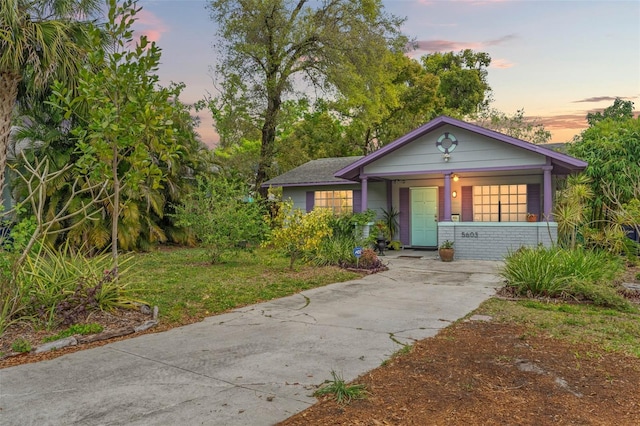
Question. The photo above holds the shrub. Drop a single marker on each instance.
(300, 234)
(335, 250)
(555, 272)
(64, 285)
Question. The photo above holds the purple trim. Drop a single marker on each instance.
(403, 219)
(533, 199)
(351, 171)
(446, 198)
(547, 194)
(441, 212)
(311, 199)
(466, 200)
(476, 169)
(365, 192)
(357, 201)
(286, 185)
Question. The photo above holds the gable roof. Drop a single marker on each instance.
(563, 161)
(315, 172)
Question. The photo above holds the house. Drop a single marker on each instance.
(450, 180)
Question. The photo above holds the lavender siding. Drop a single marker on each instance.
(404, 216)
(466, 198)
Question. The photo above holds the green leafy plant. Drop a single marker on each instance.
(446, 244)
(390, 218)
(21, 345)
(82, 329)
(555, 272)
(221, 216)
(342, 392)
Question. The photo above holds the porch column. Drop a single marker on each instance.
(447, 197)
(364, 193)
(548, 196)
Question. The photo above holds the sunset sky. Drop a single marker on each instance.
(558, 60)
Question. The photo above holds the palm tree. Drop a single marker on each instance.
(40, 40)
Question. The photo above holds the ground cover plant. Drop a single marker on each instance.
(577, 274)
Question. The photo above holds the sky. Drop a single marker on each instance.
(557, 59)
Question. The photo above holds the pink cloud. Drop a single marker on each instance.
(501, 63)
(150, 25)
(424, 46)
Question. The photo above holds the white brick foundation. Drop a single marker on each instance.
(493, 240)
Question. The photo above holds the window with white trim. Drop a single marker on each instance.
(500, 203)
(338, 201)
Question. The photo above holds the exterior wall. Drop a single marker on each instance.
(377, 196)
(473, 152)
(493, 240)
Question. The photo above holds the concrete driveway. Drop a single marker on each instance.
(253, 366)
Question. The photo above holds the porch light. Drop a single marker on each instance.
(454, 194)
(456, 178)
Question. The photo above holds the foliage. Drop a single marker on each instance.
(64, 285)
(516, 125)
(611, 147)
(336, 249)
(369, 260)
(342, 392)
(221, 215)
(619, 111)
(39, 41)
(135, 136)
(390, 218)
(185, 289)
(463, 86)
(301, 233)
(268, 49)
(556, 272)
(446, 244)
(82, 329)
(570, 211)
(21, 345)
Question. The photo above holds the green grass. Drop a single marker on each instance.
(83, 329)
(342, 392)
(610, 329)
(185, 287)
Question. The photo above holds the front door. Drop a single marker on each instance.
(424, 217)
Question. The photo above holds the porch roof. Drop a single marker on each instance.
(563, 163)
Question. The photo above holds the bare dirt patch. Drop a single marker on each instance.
(488, 373)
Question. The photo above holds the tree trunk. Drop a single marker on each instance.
(116, 209)
(268, 142)
(8, 94)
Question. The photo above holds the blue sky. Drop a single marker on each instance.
(558, 59)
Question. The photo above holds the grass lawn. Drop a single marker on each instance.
(610, 329)
(187, 288)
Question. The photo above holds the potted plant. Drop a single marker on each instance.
(532, 217)
(446, 251)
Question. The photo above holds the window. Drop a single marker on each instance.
(500, 203)
(338, 201)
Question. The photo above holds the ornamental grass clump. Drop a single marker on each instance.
(578, 274)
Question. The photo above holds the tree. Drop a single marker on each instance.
(268, 48)
(39, 40)
(516, 125)
(463, 80)
(619, 111)
(129, 129)
(612, 148)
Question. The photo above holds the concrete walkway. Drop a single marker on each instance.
(253, 366)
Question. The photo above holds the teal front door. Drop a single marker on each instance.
(424, 217)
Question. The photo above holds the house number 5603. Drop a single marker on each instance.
(469, 235)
